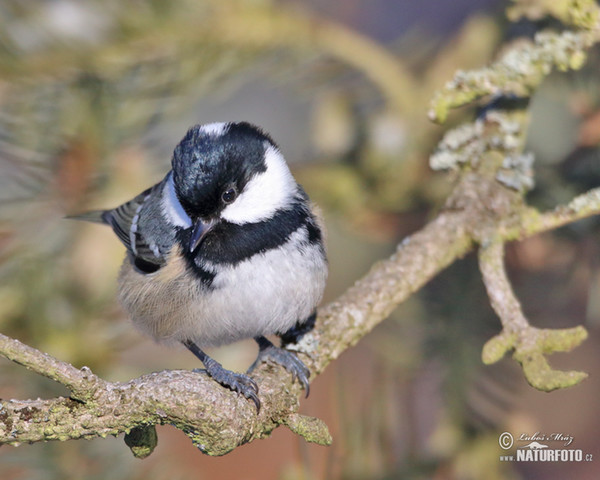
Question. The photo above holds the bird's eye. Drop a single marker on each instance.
(229, 195)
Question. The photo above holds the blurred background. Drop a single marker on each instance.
(94, 95)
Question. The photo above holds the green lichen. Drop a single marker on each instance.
(583, 13)
(312, 429)
(496, 347)
(517, 73)
(459, 146)
(541, 376)
(517, 172)
(499, 131)
(586, 203)
(530, 346)
(579, 13)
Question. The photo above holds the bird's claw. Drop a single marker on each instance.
(287, 360)
(238, 382)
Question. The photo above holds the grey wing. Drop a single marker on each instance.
(141, 226)
(124, 221)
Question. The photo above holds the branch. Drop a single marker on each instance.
(493, 146)
(532, 221)
(530, 344)
(524, 66)
(517, 73)
(82, 383)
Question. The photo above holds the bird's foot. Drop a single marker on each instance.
(285, 358)
(238, 382)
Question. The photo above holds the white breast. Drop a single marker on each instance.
(266, 294)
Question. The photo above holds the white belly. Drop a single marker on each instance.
(266, 294)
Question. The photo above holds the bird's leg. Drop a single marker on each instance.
(285, 358)
(294, 334)
(238, 382)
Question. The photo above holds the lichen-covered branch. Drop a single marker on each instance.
(532, 221)
(502, 298)
(530, 344)
(579, 13)
(489, 151)
(525, 65)
(82, 383)
(499, 134)
(517, 73)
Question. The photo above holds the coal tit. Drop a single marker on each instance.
(225, 247)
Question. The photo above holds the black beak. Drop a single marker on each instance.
(199, 230)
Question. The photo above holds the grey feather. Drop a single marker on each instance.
(95, 216)
(123, 219)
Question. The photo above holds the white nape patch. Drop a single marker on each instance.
(216, 129)
(171, 206)
(265, 193)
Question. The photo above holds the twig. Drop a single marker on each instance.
(502, 298)
(530, 344)
(517, 73)
(531, 221)
(82, 383)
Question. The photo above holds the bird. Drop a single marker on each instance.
(226, 247)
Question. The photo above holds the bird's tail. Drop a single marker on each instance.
(96, 216)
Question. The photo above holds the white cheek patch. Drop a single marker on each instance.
(265, 193)
(171, 206)
(215, 129)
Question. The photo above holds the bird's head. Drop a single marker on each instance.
(230, 172)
